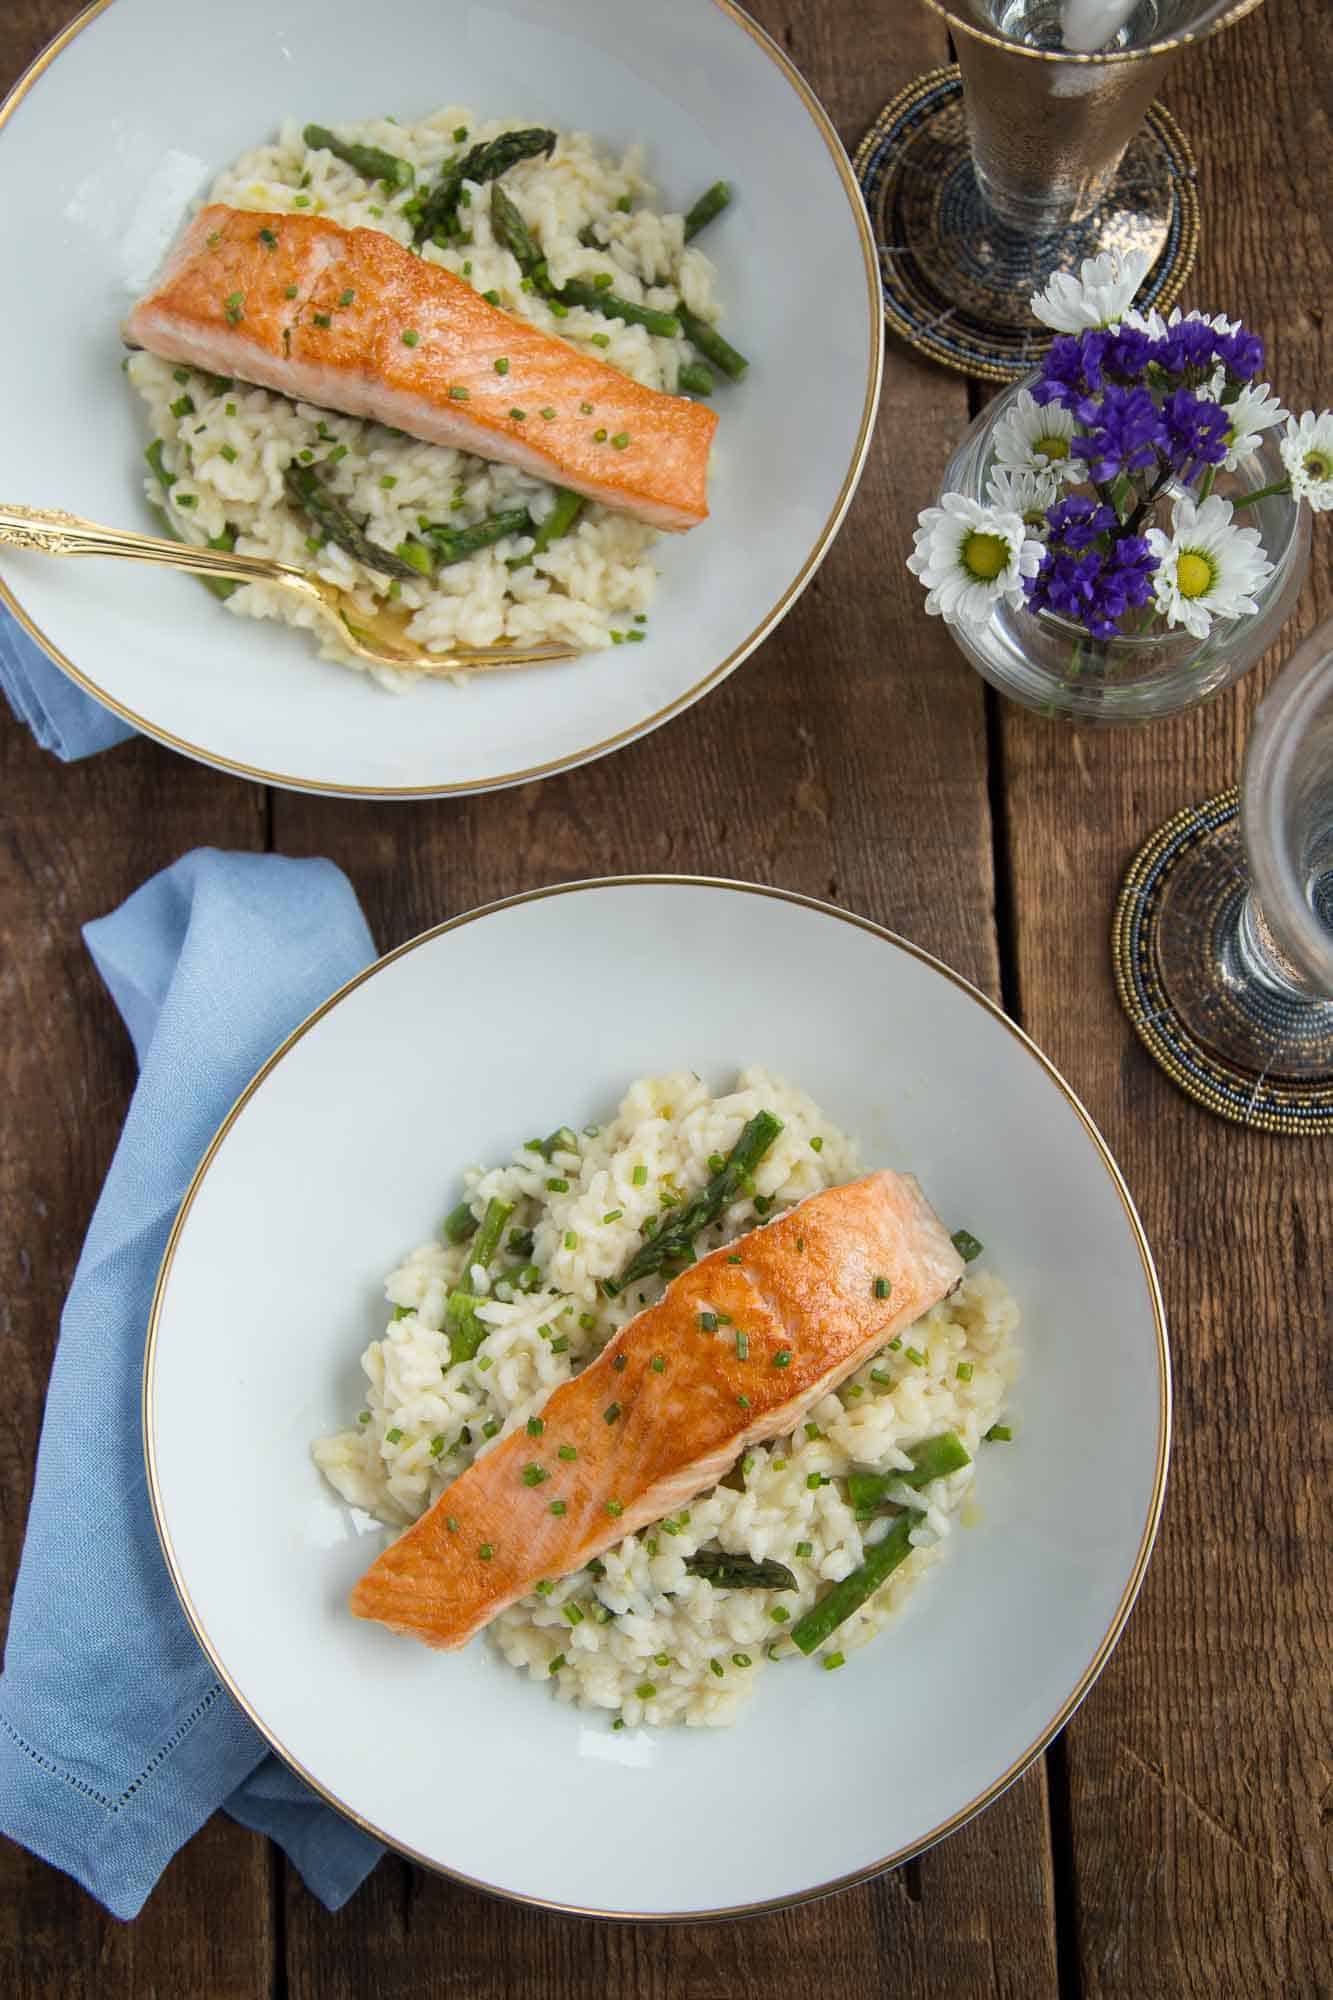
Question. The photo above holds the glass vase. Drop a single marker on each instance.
(1055, 668)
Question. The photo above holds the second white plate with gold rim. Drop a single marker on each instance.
(341, 1154)
(96, 180)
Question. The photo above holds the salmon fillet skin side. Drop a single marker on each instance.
(737, 1349)
(349, 320)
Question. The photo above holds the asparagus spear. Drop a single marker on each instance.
(368, 161)
(437, 214)
(933, 1458)
(711, 344)
(487, 1240)
(221, 586)
(966, 1244)
(308, 492)
(730, 1572)
(466, 1332)
(456, 543)
(710, 203)
(696, 378)
(599, 299)
(558, 522)
(460, 1223)
(821, 1619)
(676, 1240)
(512, 232)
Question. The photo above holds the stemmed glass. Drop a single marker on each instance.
(1055, 153)
(1224, 935)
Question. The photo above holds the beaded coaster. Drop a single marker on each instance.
(957, 282)
(1174, 922)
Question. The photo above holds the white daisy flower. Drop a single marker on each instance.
(1206, 567)
(1025, 493)
(1099, 296)
(1031, 437)
(971, 557)
(1307, 453)
(1253, 411)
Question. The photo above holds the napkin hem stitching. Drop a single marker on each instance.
(86, 1791)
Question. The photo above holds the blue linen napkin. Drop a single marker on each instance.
(116, 1739)
(57, 711)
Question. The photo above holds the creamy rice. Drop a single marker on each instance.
(647, 1623)
(227, 452)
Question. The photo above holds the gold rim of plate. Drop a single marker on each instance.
(327, 788)
(1138, 1569)
(1175, 275)
(1291, 1109)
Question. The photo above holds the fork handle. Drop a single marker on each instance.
(52, 532)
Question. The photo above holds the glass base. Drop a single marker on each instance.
(1185, 975)
(958, 282)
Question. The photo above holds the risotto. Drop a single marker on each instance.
(636, 1633)
(223, 447)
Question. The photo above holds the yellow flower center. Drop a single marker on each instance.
(984, 556)
(1195, 574)
(1317, 465)
(1052, 447)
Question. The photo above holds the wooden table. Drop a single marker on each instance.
(1174, 1839)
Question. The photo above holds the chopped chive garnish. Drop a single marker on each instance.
(881, 1375)
(658, 1364)
(558, 1662)
(603, 281)
(491, 298)
(998, 1434)
(613, 1215)
(614, 1508)
(235, 307)
(183, 406)
(599, 437)
(558, 1507)
(779, 1614)
(451, 1523)
(832, 1660)
(620, 440)
(460, 134)
(645, 1690)
(814, 1480)
(708, 1322)
(460, 395)
(545, 1587)
(624, 204)
(762, 1202)
(611, 1412)
(853, 1392)
(321, 319)
(519, 416)
(587, 1321)
(559, 1346)
(966, 1244)
(290, 292)
(600, 339)
(619, 1722)
(733, 1260)
(410, 336)
(782, 1359)
(805, 1549)
(571, 1241)
(915, 1355)
(557, 1186)
(548, 413)
(741, 1660)
(502, 365)
(621, 1363)
(572, 1611)
(639, 1176)
(568, 1452)
(816, 1145)
(394, 1436)
(345, 298)
(484, 1363)
(213, 238)
(533, 1475)
(742, 1344)
(485, 1552)
(716, 1667)
(187, 499)
(436, 1446)
(882, 1288)
(895, 1343)
(813, 1431)
(490, 1428)
(744, 1402)
(300, 201)
(964, 1371)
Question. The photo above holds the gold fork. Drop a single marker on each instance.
(380, 636)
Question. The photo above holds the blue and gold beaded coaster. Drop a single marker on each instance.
(1173, 948)
(957, 282)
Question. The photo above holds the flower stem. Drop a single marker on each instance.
(1206, 483)
(1261, 493)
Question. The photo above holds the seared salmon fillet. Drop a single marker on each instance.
(737, 1349)
(350, 320)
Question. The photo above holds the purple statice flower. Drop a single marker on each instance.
(1197, 432)
(1077, 521)
(1127, 357)
(1094, 589)
(1241, 354)
(1125, 432)
(1187, 348)
(1071, 370)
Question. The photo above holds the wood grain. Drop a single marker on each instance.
(1199, 1794)
(848, 759)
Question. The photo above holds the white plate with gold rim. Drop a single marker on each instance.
(340, 1155)
(96, 178)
